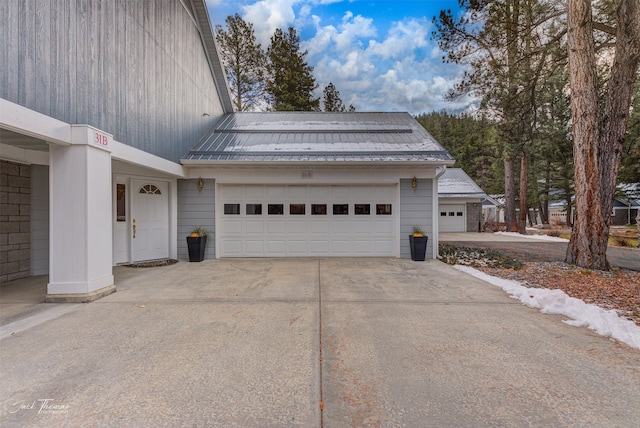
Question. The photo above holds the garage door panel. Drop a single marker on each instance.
(276, 226)
(319, 247)
(362, 247)
(231, 226)
(342, 248)
(297, 247)
(253, 247)
(252, 192)
(231, 248)
(319, 226)
(383, 227)
(254, 227)
(305, 233)
(297, 227)
(382, 246)
(277, 247)
(341, 226)
(298, 193)
(276, 192)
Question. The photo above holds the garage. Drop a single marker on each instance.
(313, 184)
(452, 218)
(307, 220)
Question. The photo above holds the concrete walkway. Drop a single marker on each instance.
(311, 343)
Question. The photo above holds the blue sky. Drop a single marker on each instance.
(378, 54)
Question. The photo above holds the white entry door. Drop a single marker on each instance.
(301, 220)
(149, 220)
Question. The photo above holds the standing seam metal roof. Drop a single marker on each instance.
(317, 136)
(455, 183)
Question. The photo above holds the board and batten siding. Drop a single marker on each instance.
(196, 208)
(416, 209)
(135, 69)
(39, 219)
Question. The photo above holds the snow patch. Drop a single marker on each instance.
(605, 322)
(539, 237)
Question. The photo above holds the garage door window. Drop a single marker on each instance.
(362, 209)
(383, 209)
(276, 209)
(318, 209)
(340, 209)
(232, 209)
(297, 209)
(254, 209)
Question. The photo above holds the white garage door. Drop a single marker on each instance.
(452, 218)
(283, 220)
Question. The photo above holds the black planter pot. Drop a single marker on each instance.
(196, 248)
(418, 246)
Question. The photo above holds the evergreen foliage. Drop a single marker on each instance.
(290, 83)
(331, 98)
(244, 62)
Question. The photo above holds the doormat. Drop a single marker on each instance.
(152, 263)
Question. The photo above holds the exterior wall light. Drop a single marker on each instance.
(414, 183)
(200, 184)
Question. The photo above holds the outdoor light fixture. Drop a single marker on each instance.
(414, 183)
(200, 184)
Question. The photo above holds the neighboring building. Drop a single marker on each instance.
(460, 202)
(117, 137)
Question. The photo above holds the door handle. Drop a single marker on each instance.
(134, 228)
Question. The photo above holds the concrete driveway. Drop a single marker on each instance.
(311, 343)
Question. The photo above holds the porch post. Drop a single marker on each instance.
(81, 238)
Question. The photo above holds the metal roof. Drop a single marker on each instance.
(455, 183)
(318, 137)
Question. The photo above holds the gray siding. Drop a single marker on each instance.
(416, 208)
(196, 208)
(39, 220)
(135, 69)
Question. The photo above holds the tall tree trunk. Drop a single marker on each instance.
(509, 196)
(598, 143)
(588, 244)
(524, 206)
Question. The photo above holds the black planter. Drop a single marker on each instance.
(196, 248)
(418, 246)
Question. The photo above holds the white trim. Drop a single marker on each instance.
(128, 154)
(16, 154)
(25, 121)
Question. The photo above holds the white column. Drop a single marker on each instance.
(81, 238)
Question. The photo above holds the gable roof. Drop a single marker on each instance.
(295, 137)
(455, 183)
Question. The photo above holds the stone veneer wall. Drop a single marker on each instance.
(15, 211)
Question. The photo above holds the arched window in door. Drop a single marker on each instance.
(150, 189)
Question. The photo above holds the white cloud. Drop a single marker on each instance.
(400, 70)
(269, 15)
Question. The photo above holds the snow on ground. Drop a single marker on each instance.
(540, 237)
(604, 322)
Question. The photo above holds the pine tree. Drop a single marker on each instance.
(598, 128)
(290, 82)
(332, 100)
(244, 62)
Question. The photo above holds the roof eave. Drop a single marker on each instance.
(306, 163)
